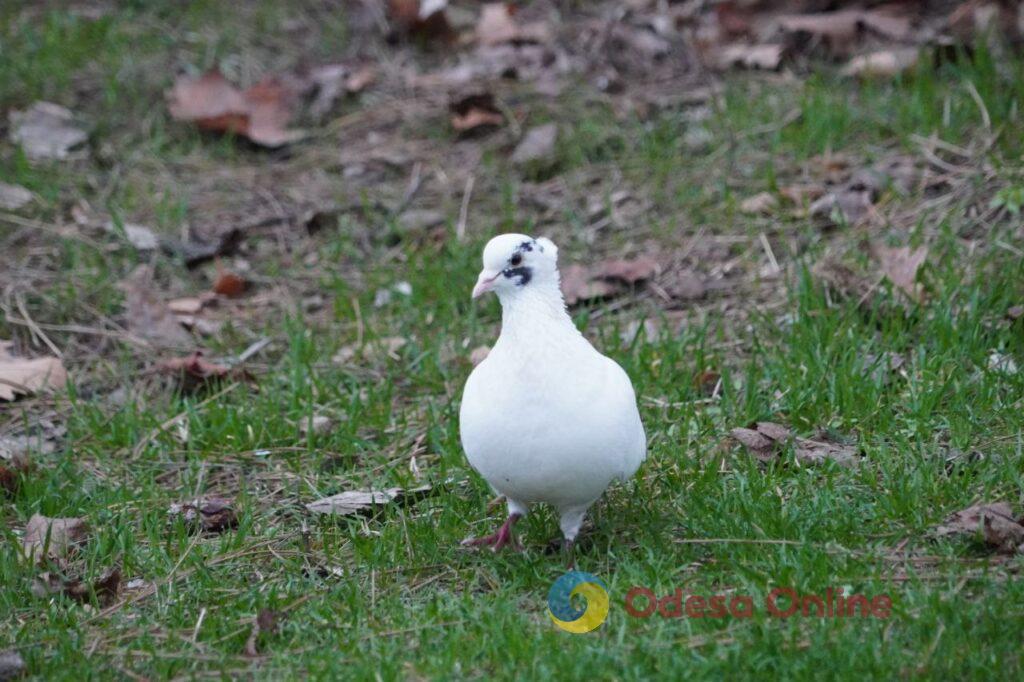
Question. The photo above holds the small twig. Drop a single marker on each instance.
(35, 328)
(976, 96)
(460, 227)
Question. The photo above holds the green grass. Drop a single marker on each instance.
(393, 596)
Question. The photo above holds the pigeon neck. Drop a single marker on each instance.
(533, 308)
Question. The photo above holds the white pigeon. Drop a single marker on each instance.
(545, 418)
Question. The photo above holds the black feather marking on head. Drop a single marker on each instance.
(524, 274)
(525, 246)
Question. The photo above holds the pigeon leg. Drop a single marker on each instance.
(499, 539)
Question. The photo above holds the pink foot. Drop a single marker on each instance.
(497, 540)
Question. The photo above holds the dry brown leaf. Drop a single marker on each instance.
(761, 203)
(421, 19)
(317, 424)
(497, 25)
(212, 514)
(767, 440)
(994, 521)
(841, 30)
(479, 354)
(765, 57)
(264, 623)
(25, 376)
(474, 112)
(105, 587)
(13, 197)
(900, 265)
(628, 270)
(365, 501)
(578, 285)
(1015, 312)
(46, 131)
(843, 205)
(147, 315)
(191, 305)
(261, 113)
(139, 236)
(194, 371)
(52, 537)
(12, 665)
(537, 145)
(883, 63)
(706, 382)
(229, 284)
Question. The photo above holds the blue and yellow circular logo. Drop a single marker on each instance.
(571, 619)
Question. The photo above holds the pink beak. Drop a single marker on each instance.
(484, 283)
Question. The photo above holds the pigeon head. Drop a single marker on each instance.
(514, 262)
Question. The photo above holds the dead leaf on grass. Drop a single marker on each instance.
(900, 265)
(192, 305)
(883, 63)
(52, 537)
(475, 113)
(13, 197)
(194, 371)
(607, 278)
(766, 57)
(264, 623)
(105, 587)
(766, 441)
(212, 514)
(147, 315)
(317, 424)
(261, 114)
(840, 31)
(229, 284)
(762, 203)
(844, 204)
(25, 376)
(994, 521)
(46, 131)
(365, 501)
(497, 25)
(421, 20)
(12, 665)
(139, 236)
(384, 347)
(537, 145)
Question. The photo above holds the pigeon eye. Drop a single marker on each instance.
(516, 259)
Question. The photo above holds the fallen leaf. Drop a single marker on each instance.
(365, 501)
(191, 305)
(264, 623)
(839, 31)
(147, 315)
(767, 440)
(52, 537)
(1015, 312)
(387, 346)
(801, 194)
(900, 265)
(578, 285)
(627, 270)
(13, 197)
(12, 665)
(497, 25)
(194, 371)
(761, 203)
(994, 521)
(317, 424)
(475, 113)
(883, 63)
(537, 145)
(421, 19)
(765, 57)
(139, 236)
(46, 131)
(479, 354)
(212, 514)
(707, 382)
(331, 81)
(1001, 363)
(261, 114)
(25, 376)
(843, 205)
(105, 587)
(817, 451)
(229, 284)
